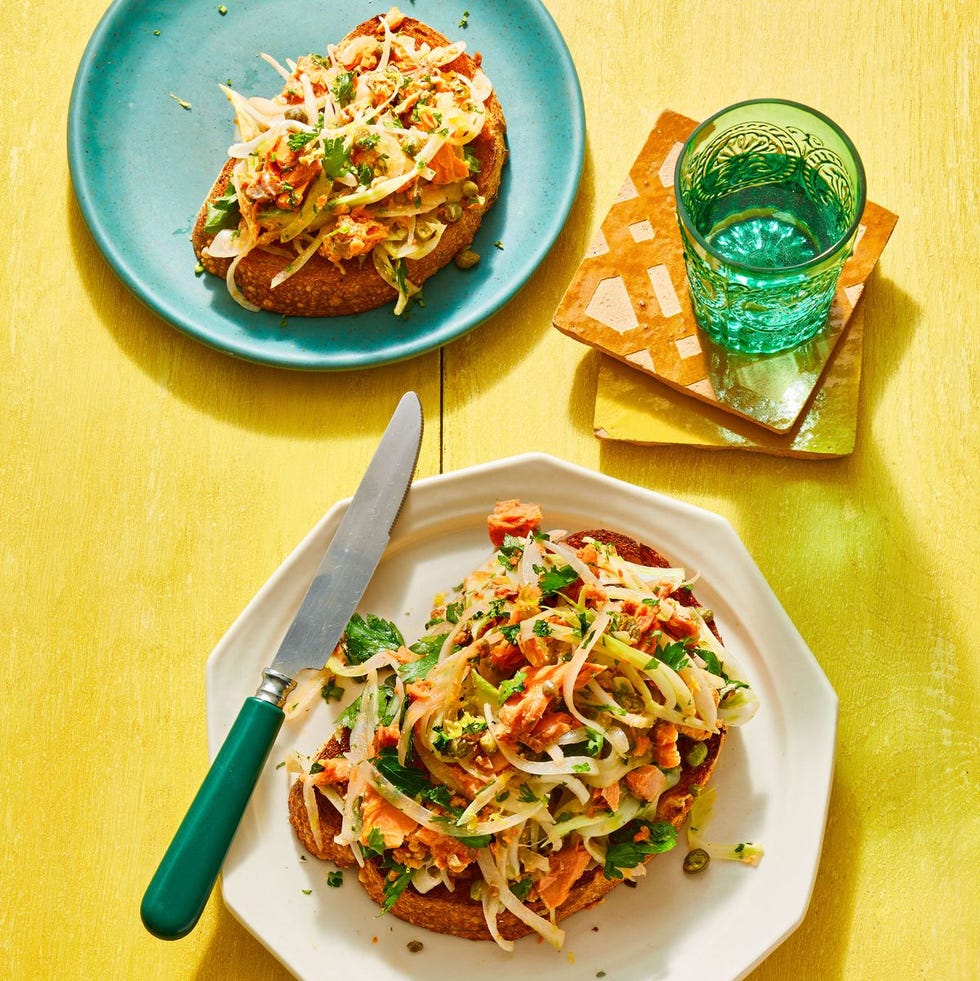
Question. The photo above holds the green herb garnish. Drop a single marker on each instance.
(367, 636)
(624, 852)
(223, 212)
(511, 686)
(555, 579)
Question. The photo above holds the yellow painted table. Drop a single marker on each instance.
(149, 486)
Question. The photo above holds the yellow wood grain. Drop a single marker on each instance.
(149, 486)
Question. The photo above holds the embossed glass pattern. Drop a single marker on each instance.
(769, 197)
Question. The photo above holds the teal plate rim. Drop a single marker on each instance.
(141, 163)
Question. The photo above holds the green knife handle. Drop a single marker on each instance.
(179, 890)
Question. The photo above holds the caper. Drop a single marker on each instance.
(470, 189)
(696, 860)
(467, 259)
(414, 946)
(452, 211)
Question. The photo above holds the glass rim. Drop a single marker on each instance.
(685, 217)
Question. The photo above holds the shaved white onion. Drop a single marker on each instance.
(626, 718)
(356, 785)
(227, 244)
(531, 557)
(493, 878)
(491, 910)
(245, 149)
(579, 658)
(363, 729)
(309, 685)
(572, 559)
(383, 659)
(501, 822)
(568, 765)
(232, 286)
(480, 86)
(312, 809)
(483, 798)
(294, 265)
(275, 64)
(697, 682)
(425, 880)
(438, 57)
(309, 99)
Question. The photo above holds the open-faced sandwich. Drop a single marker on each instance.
(369, 171)
(542, 741)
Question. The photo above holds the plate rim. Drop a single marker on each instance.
(800, 887)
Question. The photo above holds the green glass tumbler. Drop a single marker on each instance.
(769, 197)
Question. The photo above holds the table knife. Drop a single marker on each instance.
(179, 890)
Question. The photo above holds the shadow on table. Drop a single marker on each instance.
(279, 401)
(234, 953)
(848, 524)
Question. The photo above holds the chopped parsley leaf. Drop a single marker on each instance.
(398, 877)
(511, 686)
(626, 853)
(674, 655)
(367, 636)
(510, 632)
(223, 212)
(526, 795)
(555, 579)
(331, 691)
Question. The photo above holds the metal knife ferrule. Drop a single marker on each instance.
(275, 687)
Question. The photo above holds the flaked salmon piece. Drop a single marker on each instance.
(645, 783)
(592, 597)
(468, 784)
(513, 518)
(534, 649)
(549, 730)
(590, 556)
(610, 795)
(523, 710)
(505, 658)
(419, 690)
(677, 620)
(641, 744)
(566, 868)
(665, 745)
(425, 846)
(404, 656)
(604, 799)
(333, 770)
(377, 813)
(449, 166)
(386, 736)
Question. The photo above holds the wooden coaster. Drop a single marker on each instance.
(629, 299)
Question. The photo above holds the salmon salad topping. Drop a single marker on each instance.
(363, 155)
(531, 736)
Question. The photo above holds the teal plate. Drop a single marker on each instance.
(141, 163)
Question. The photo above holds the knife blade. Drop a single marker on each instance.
(179, 890)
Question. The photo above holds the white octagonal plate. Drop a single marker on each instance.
(773, 778)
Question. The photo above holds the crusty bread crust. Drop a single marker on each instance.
(321, 288)
(454, 913)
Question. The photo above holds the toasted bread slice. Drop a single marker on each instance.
(328, 288)
(454, 912)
